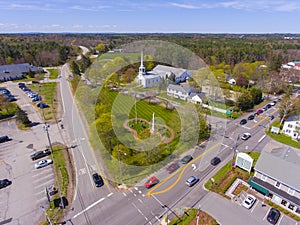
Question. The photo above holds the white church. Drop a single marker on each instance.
(153, 78)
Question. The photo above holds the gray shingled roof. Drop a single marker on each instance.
(294, 117)
(177, 88)
(282, 164)
(162, 70)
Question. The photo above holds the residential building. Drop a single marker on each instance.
(276, 176)
(178, 91)
(291, 126)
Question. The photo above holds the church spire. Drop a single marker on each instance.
(142, 69)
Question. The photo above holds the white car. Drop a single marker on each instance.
(245, 136)
(249, 201)
(43, 163)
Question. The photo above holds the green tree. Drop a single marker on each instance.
(22, 117)
(256, 94)
(242, 80)
(74, 68)
(245, 102)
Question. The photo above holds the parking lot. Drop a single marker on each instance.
(222, 209)
(22, 202)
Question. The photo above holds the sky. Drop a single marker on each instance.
(150, 16)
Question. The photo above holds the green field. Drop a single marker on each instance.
(49, 96)
(53, 73)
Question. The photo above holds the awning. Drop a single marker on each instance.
(258, 187)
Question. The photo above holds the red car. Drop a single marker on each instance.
(151, 182)
(260, 111)
(173, 167)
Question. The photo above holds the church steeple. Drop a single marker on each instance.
(142, 69)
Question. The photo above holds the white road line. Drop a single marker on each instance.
(45, 177)
(110, 194)
(140, 201)
(143, 195)
(124, 194)
(130, 190)
(136, 188)
(140, 191)
(261, 138)
(89, 207)
(140, 211)
(134, 194)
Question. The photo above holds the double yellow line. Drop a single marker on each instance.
(181, 171)
(263, 118)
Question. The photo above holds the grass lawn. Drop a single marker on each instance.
(53, 73)
(224, 178)
(7, 109)
(49, 96)
(61, 181)
(191, 219)
(281, 137)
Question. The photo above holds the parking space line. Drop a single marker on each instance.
(44, 177)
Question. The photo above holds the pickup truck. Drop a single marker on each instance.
(40, 154)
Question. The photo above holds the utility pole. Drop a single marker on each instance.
(235, 149)
(119, 159)
(165, 206)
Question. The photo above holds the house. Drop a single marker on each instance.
(276, 176)
(17, 71)
(178, 91)
(149, 79)
(232, 81)
(196, 98)
(291, 126)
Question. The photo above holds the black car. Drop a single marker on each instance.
(268, 106)
(98, 180)
(273, 216)
(271, 117)
(4, 183)
(4, 139)
(42, 105)
(40, 154)
(243, 121)
(186, 159)
(215, 161)
(251, 117)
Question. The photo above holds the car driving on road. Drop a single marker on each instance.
(245, 136)
(215, 161)
(151, 182)
(97, 180)
(191, 181)
(43, 163)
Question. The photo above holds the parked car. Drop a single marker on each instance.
(273, 216)
(43, 163)
(4, 183)
(273, 103)
(245, 136)
(42, 105)
(249, 201)
(251, 117)
(151, 182)
(40, 154)
(191, 181)
(271, 117)
(186, 159)
(4, 139)
(215, 161)
(260, 111)
(268, 106)
(243, 121)
(97, 180)
(173, 167)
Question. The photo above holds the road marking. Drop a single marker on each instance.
(261, 138)
(136, 188)
(110, 194)
(263, 118)
(193, 166)
(89, 207)
(140, 191)
(124, 194)
(82, 171)
(180, 172)
(140, 201)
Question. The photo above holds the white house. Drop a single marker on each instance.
(177, 91)
(291, 126)
(149, 79)
(232, 81)
(196, 98)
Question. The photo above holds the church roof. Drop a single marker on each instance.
(163, 70)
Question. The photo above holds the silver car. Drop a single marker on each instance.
(191, 181)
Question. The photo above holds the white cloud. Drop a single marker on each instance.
(261, 5)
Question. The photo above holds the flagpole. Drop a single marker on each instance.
(135, 108)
